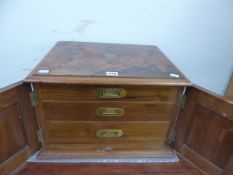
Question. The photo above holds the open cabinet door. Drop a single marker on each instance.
(204, 131)
(18, 127)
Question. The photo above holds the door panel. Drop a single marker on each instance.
(204, 130)
(18, 126)
(12, 135)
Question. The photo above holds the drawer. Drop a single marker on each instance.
(107, 133)
(107, 111)
(88, 93)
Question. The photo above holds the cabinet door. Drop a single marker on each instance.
(204, 131)
(18, 126)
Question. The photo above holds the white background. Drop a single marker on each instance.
(196, 35)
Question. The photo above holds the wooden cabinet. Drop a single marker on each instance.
(100, 101)
(113, 109)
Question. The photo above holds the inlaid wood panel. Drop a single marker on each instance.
(90, 63)
(95, 59)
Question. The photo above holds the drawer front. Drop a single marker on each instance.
(106, 115)
(107, 111)
(89, 93)
(108, 133)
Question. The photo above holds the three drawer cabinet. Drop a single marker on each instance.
(106, 96)
(113, 115)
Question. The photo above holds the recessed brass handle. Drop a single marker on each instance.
(111, 92)
(109, 133)
(109, 111)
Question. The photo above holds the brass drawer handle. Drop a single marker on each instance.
(109, 133)
(111, 92)
(109, 111)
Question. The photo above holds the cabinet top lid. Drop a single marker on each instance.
(82, 62)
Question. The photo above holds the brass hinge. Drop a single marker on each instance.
(41, 135)
(33, 98)
(181, 101)
(171, 135)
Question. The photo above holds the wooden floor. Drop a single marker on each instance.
(179, 168)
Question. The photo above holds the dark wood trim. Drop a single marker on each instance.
(229, 91)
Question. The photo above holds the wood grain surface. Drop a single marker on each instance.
(88, 92)
(86, 111)
(149, 133)
(88, 63)
(95, 59)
